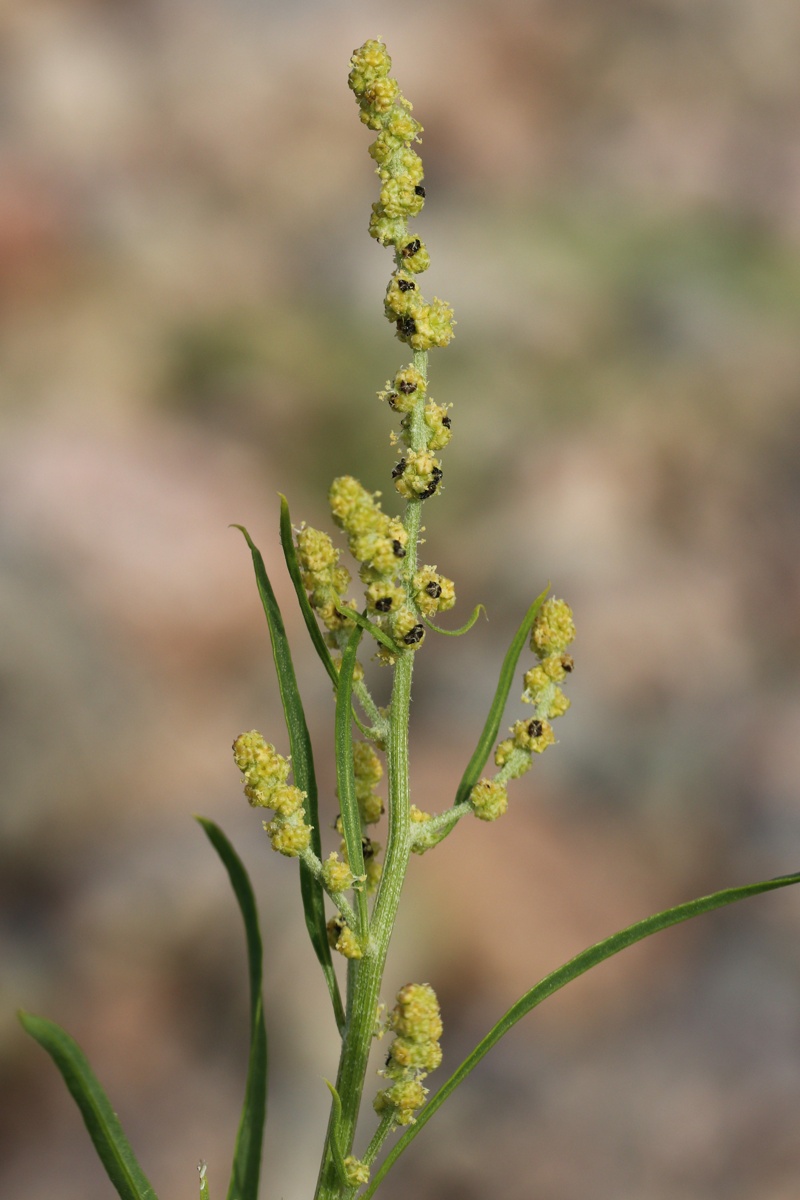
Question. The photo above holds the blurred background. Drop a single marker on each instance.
(191, 321)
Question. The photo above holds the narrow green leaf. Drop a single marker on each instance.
(293, 566)
(489, 734)
(476, 612)
(303, 768)
(202, 1168)
(369, 627)
(247, 1154)
(558, 979)
(335, 1138)
(345, 775)
(101, 1121)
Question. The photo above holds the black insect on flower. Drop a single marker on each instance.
(433, 485)
(406, 326)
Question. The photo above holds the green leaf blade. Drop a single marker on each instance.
(558, 979)
(293, 567)
(105, 1130)
(345, 775)
(304, 775)
(489, 734)
(249, 1139)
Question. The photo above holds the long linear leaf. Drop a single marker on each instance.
(247, 1154)
(293, 567)
(112, 1147)
(369, 627)
(345, 775)
(489, 734)
(303, 767)
(560, 978)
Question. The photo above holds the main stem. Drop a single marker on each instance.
(365, 975)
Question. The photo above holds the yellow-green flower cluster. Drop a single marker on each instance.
(336, 875)
(385, 109)
(418, 474)
(323, 578)
(414, 1052)
(265, 774)
(379, 543)
(553, 631)
(376, 541)
(356, 1171)
(342, 939)
(368, 774)
(433, 593)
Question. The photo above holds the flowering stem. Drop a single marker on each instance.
(366, 974)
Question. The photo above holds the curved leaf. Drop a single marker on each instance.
(293, 566)
(112, 1147)
(465, 628)
(247, 1154)
(559, 978)
(303, 768)
(489, 734)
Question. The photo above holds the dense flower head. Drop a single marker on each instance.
(265, 773)
(368, 773)
(336, 875)
(415, 1050)
(489, 799)
(342, 939)
(325, 581)
(553, 629)
(356, 1171)
(376, 540)
(433, 592)
(369, 64)
(417, 475)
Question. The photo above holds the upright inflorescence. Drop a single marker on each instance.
(414, 1052)
(385, 109)
(265, 774)
(553, 631)
(425, 425)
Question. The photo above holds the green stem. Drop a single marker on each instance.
(365, 975)
(427, 834)
(339, 898)
(380, 726)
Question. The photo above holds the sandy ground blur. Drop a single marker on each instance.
(190, 322)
